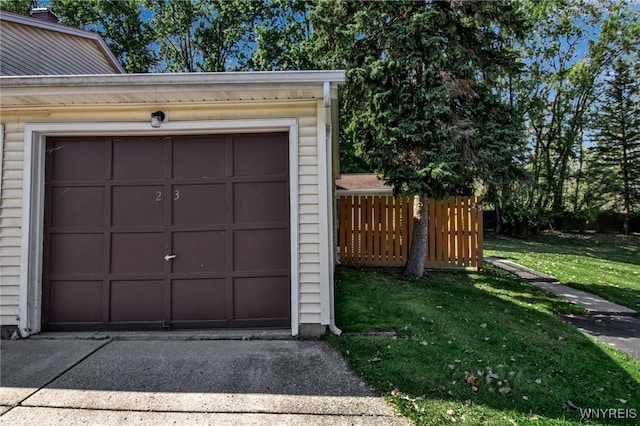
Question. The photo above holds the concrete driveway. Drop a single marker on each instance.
(261, 382)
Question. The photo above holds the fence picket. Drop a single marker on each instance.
(377, 231)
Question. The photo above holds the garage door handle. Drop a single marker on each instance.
(168, 257)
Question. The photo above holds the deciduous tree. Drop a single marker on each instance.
(120, 23)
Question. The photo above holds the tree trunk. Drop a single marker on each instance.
(498, 212)
(418, 252)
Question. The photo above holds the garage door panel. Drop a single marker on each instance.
(261, 297)
(261, 249)
(74, 207)
(261, 155)
(138, 206)
(199, 158)
(75, 301)
(76, 253)
(116, 207)
(199, 252)
(77, 159)
(198, 300)
(137, 300)
(260, 202)
(199, 204)
(138, 159)
(137, 253)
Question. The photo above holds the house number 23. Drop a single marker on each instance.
(176, 195)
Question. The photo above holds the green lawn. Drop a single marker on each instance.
(606, 265)
(477, 348)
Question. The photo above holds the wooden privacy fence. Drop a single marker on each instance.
(376, 230)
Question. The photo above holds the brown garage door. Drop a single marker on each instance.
(186, 231)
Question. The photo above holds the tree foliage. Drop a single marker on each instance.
(573, 45)
(203, 35)
(284, 37)
(120, 23)
(502, 97)
(615, 170)
(22, 7)
(421, 76)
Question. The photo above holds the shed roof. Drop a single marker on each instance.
(361, 181)
(33, 46)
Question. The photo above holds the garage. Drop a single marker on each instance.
(217, 215)
(166, 232)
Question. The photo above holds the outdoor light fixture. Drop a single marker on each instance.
(157, 118)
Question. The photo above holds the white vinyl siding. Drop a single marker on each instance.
(10, 221)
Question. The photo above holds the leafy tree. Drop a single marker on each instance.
(284, 37)
(572, 46)
(204, 35)
(22, 7)
(616, 164)
(120, 23)
(418, 72)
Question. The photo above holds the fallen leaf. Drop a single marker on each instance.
(622, 401)
(538, 381)
(483, 325)
(451, 412)
(376, 359)
(474, 388)
(451, 366)
(423, 343)
(473, 380)
(525, 397)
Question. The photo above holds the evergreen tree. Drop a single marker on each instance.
(616, 164)
(418, 73)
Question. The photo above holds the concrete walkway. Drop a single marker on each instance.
(609, 322)
(176, 381)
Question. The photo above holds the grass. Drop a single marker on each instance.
(476, 348)
(605, 265)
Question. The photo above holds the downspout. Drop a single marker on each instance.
(330, 205)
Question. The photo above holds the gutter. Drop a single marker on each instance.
(330, 134)
(175, 79)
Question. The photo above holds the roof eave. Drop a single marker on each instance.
(169, 79)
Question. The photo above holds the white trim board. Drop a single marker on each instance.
(30, 307)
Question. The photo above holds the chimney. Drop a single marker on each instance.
(44, 13)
